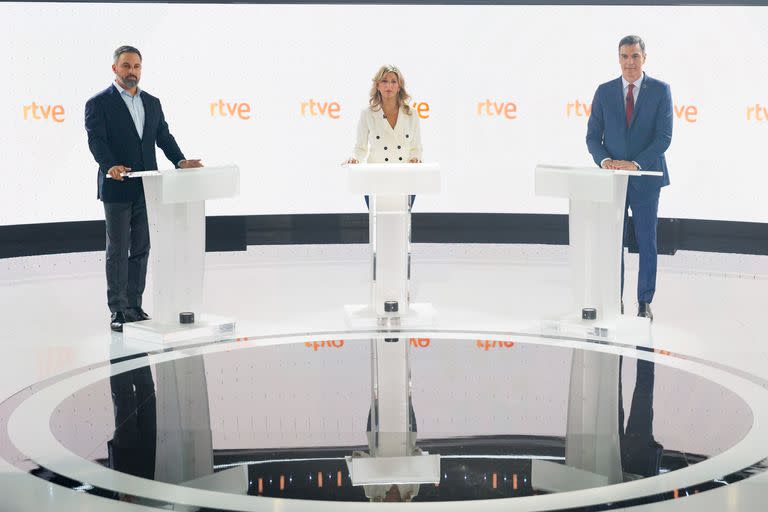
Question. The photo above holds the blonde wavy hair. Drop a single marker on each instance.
(402, 96)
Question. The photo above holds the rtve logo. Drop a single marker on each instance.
(419, 342)
(687, 113)
(316, 345)
(493, 108)
(757, 112)
(486, 345)
(330, 109)
(235, 109)
(37, 112)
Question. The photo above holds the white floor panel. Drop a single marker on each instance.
(54, 319)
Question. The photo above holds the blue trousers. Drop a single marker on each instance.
(645, 216)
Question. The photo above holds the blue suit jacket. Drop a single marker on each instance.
(647, 138)
(113, 140)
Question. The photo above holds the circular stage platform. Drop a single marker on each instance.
(240, 423)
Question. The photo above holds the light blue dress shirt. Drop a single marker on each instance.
(135, 107)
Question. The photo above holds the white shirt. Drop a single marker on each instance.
(378, 142)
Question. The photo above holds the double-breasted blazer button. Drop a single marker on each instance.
(385, 148)
(399, 147)
(406, 135)
(386, 159)
(401, 158)
(378, 137)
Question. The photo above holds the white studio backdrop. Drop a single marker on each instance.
(467, 63)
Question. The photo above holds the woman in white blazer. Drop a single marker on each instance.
(388, 130)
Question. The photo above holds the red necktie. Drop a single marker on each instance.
(630, 103)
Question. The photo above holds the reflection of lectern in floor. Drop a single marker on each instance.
(393, 467)
(176, 209)
(595, 227)
(168, 415)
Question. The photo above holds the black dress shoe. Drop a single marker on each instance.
(136, 315)
(116, 321)
(644, 310)
(641, 455)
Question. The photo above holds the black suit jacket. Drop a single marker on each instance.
(113, 140)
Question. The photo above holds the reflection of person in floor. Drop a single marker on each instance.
(640, 453)
(132, 448)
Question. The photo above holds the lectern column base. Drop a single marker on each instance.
(628, 330)
(362, 316)
(205, 326)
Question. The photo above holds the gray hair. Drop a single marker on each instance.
(125, 49)
(632, 40)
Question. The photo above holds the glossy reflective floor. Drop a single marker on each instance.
(277, 409)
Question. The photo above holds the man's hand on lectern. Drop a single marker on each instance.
(624, 165)
(190, 164)
(116, 172)
(414, 160)
(351, 161)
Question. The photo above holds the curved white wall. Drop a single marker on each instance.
(467, 63)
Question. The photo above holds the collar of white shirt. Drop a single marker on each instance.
(637, 82)
(138, 91)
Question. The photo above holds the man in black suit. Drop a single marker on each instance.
(124, 123)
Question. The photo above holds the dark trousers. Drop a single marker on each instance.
(127, 253)
(640, 422)
(645, 216)
(640, 453)
(132, 448)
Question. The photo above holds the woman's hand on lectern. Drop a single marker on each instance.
(351, 161)
(414, 160)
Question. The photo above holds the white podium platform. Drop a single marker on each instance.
(389, 187)
(176, 209)
(415, 469)
(596, 227)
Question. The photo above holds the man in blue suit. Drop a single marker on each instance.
(124, 123)
(630, 128)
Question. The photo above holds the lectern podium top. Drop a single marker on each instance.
(593, 170)
(584, 183)
(394, 178)
(197, 184)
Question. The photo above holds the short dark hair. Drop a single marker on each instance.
(633, 40)
(125, 49)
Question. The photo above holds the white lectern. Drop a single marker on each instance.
(393, 457)
(176, 209)
(596, 229)
(389, 187)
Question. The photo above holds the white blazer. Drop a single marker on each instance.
(377, 142)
